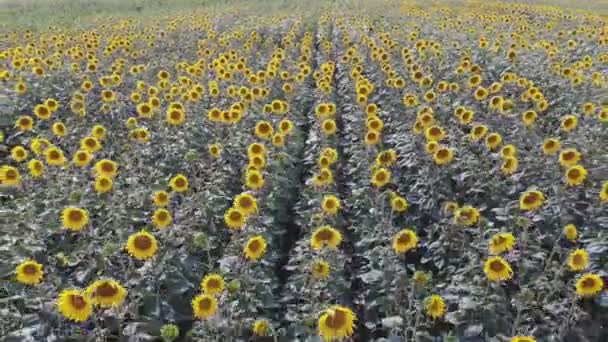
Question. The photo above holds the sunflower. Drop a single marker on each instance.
(75, 305)
(54, 156)
(578, 260)
(481, 93)
(466, 215)
(497, 269)
(235, 218)
(435, 306)
(551, 146)
(336, 322)
(398, 204)
(443, 155)
(372, 137)
(604, 192)
(212, 284)
(254, 179)
(58, 129)
(434, 133)
(179, 183)
(215, 150)
(576, 175)
(36, 168)
(330, 205)
(246, 203)
(19, 153)
(103, 184)
(529, 117)
(106, 167)
(386, 158)
(261, 327)
(144, 110)
(570, 232)
(508, 151)
(531, 200)
(204, 306)
(509, 165)
(99, 132)
(374, 124)
(493, 140)
(90, 144)
(478, 132)
(255, 248)
(569, 157)
(29, 272)
(256, 149)
(142, 245)
(523, 339)
(501, 242)
(42, 112)
(161, 198)
(569, 123)
(589, 285)
(82, 158)
(9, 176)
(106, 293)
(328, 127)
(24, 123)
(404, 241)
(108, 95)
(325, 235)
(381, 177)
(285, 126)
(263, 129)
(175, 117)
(319, 269)
(431, 147)
(466, 117)
(74, 218)
(161, 218)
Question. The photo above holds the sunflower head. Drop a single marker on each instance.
(330, 205)
(246, 203)
(575, 175)
(179, 183)
(435, 306)
(142, 245)
(106, 167)
(589, 285)
(336, 322)
(161, 218)
(329, 127)
(381, 177)
(466, 215)
(161, 198)
(551, 146)
(204, 306)
(531, 200)
(106, 293)
(75, 305)
(74, 219)
(235, 218)
(497, 269)
(399, 204)
(319, 269)
(254, 179)
(404, 241)
(569, 157)
(212, 284)
(325, 236)
(103, 184)
(443, 155)
(501, 242)
(261, 327)
(29, 272)
(255, 248)
(578, 260)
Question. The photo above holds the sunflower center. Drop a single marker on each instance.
(569, 155)
(43, 111)
(508, 163)
(497, 266)
(381, 176)
(235, 216)
(588, 283)
(478, 131)
(254, 246)
(550, 145)
(213, 283)
(180, 182)
(142, 242)
(443, 153)
(574, 174)
(330, 204)
(24, 122)
(104, 182)
(254, 178)
(107, 167)
(325, 235)
(404, 239)
(530, 198)
(90, 143)
(145, 109)
(577, 259)
(54, 154)
(245, 202)
(336, 319)
(30, 269)
(205, 304)
(175, 115)
(435, 131)
(75, 215)
(162, 216)
(78, 302)
(82, 156)
(106, 290)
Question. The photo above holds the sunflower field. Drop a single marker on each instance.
(283, 170)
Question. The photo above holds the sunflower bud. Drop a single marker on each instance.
(523, 222)
(169, 332)
(75, 196)
(109, 249)
(190, 156)
(200, 241)
(234, 286)
(421, 279)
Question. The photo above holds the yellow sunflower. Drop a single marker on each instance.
(551, 146)
(24, 123)
(261, 327)
(145, 110)
(82, 158)
(508, 151)
(398, 204)
(604, 192)
(204, 306)
(255, 248)
(75, 305)
(103, 184)
(529, 117)
(509, 165)
(263, 129)
(19, 153)
(174, 116)
(106, 293)
(329, 127)
(497, 269)
(9, 176)
(578, 260)
(54, 156)
(58, 129)
(330, 205)
(478, 132)
(161, 198)
(142, 245)
(36, 168)
(569, 157)
(576, 175)
(90, 144)
(215, 150)
(325, 235)
(372, 137)
(434, 133)
(569, 123)
(106, 167)
(466, 215)
(493, 140)
(254, 179)
(336, 322)
(435, 306)
(570, 232)
(404, 241)
(42, 112)
(286, 126)
(381, 177)
(589, 285)
(501, 242)
(74, 218)
(99, 132)
(523, 339)
(443, 155)
(212, 284)
(386, 158)
(235, 218)
(246, 203)
(29, 272)
(161, 218)
(319, 269)
(179, 183)
(531, 200)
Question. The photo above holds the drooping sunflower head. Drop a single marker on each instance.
(443, 155)
(508, 151)
(90, 144)
(381, 177)
(215, 150)
(336, 322)
(404, 241)
(575, 175)
(212, 284)
(261, 327)
(604, 192)
(399, 204)
(434, 133)
(106, 167)
(493, 140)
(501, 242)
(325, 236)
(29, 272)
(531, 200)
(570, 232)
(54, 156)
(569, 157)
(74, 218)
(235, 218)
(523, 339)
(529, 117)
(497, 269)
(106, 293)
(509, 165)
(255, 248)
(254, 179)
(569, 123)
(551, 146)
(179, 183)
(578, 260)
(161, 218)
(204, 306)
(142, 245)
(75, 305)
(263, 129)
(330, 205)
(466, 215)
(246, 203)
(319, 269)
(103, 184)
(478, 131)
(435, 306)
(589, 285)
